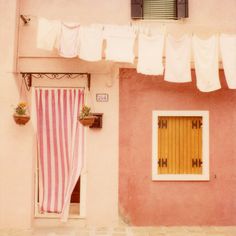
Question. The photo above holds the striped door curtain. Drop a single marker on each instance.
(60, 139)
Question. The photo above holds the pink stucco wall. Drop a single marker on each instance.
(146, 202)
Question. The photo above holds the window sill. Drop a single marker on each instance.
(180, 21)
(182, 177)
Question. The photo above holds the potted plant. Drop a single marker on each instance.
(86, 118)
(20, 116)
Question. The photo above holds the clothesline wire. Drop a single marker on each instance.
(132, 22)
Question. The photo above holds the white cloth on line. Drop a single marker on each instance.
(178, 59)
(119, 43)
(90, 43)
(228, 53)
(69, 40)
(206, 63)
(47, 33)
(150, 52)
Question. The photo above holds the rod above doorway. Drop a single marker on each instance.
(28, 76)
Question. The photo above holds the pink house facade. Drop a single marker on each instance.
(146, 202)
(117, 173)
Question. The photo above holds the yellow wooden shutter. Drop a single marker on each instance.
(179, 145)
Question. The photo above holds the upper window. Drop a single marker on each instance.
(159, 9)
(180, 145)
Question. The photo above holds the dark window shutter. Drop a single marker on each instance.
(159, 9)
(182, 9)
(136, 9)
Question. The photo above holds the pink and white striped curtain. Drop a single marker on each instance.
(60, 140)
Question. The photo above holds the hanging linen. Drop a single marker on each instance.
(69, 40)
(228, 53)
(90, 43)
(47, 34)
(119, 43)
(60, 146)
(178, 59)
(150, 52)
(206, 63)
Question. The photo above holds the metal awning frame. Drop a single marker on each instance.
(28, 76)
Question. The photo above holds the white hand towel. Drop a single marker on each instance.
(48, 31)
(178, 59)
(150, 52)
(119, 43)
(206, 63)
(69, 41)
(90, 43)
(228, 53)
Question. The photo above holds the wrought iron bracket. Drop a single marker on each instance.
(28, 76)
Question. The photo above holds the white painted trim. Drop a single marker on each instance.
(83, 179)
(205, 147)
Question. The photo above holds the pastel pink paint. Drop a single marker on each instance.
(146, 202)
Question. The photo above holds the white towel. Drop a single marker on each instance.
(90, 43)
(69, 41)
(228, 53)
(48, 31)
(178, 59)
(206, 63)
(119, 43)
(150, 52)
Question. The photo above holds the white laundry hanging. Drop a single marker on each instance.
(150, 53)
(47, 34)
(228, 53)
(119, 43)
(178, 59)
(69, 40)
(90, 43)
(206, 63)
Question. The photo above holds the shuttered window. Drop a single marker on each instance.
(180, 151)
(159, 9)
(180, 145)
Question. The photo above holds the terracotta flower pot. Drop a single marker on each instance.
(21, 119)
(87, 121)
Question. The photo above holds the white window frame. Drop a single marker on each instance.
(205, 147)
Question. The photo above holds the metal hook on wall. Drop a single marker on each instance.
(25, 19)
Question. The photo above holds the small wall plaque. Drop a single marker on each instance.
(102, 97)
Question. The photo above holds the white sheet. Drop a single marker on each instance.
(228, 53)
(47, 34)
(206, 63)
(69, 40)
(119, 43)
(150, 52)
(178, 59)
(90, 43)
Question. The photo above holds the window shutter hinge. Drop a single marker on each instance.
(196, 124)
(197, 162)
(162, 124)
(162, 162)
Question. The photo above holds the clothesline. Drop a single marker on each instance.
(88, 43)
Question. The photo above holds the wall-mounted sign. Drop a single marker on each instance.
(102, 97)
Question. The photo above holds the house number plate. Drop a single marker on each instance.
(102, 97)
